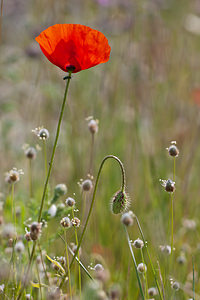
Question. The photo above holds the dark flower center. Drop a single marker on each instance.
(70, 68)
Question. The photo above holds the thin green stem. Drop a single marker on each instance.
(135, 264)
(148, 254)
(54, 147)
(42, 261)
(79, 268)
(193, 278)
(91, 155)
(30, 179)
(40, 287)
(45, 157)
(93, 199)
(145, 275)
(172, 223)
(28, 270)
(48, 174)
(79, 262)
(68, 269)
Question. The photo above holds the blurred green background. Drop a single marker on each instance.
(146, 96)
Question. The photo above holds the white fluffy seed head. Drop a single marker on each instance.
(138, 244)
(43, 134)
(52, 210)
(127, 219)
(166, 249)
(60, 189)
(70, 202)
(93, 126)
(152, 291)
(65, 222)
(19, 247)
(31, 153)
(175, 285)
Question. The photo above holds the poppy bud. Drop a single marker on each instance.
(119, 202)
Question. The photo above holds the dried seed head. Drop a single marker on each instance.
(93, 126)
(87, 185)
(27, 236)
(169, 185)
(173, 150)
(41, 132)
(30, 153)
(98, 267)
(19, 247)
(152, 291)
(119, 202)
(138, 244)
(127, 219)
(13, 175)
(101, 295)
(9, 231)
(175, 285)
(75, 222)
(189, 224)
(70, 202)
(65, 222)
(166, 249)
(35, 230)
(142, 268)
(44, 134)
(60, 189)
(115, 292)
(181, 259)
(61, 260)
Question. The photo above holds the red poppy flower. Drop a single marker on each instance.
(74, 47)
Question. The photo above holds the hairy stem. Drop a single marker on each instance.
(93, 199)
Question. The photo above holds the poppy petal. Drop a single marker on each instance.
(73, 46)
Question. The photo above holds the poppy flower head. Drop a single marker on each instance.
(74, 47)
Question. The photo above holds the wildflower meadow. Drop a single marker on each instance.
(99, 149)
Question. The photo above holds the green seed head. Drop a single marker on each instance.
(119, 202)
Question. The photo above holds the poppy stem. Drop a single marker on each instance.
(54, 147)
(92, 202)
(47, 180)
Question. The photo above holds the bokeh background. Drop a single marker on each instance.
(146, 96)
